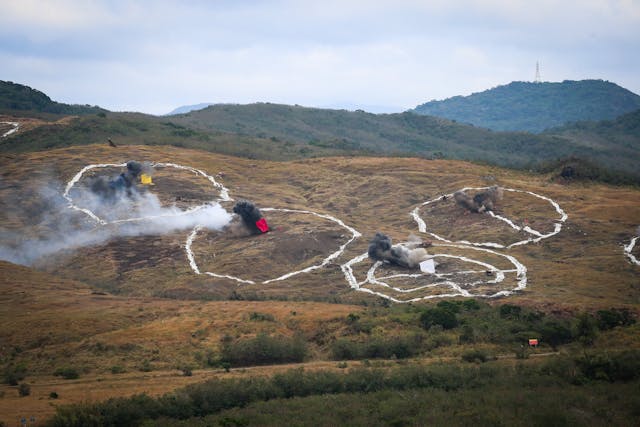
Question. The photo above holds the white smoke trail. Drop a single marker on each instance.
(144, 216)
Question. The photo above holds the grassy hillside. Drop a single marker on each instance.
(406, 134)
(369, 194)
(282, 132)
(135, 128)
(17, 97)
(534, 107)
(621, 135)
(128, 315)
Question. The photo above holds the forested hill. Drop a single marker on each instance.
(358, 132)
(284, 132)
(621, 136)
(322, 130)
(24, 99)
(534, 107)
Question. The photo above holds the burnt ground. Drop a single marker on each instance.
(452, 222)
(583, 264)
(296, 241)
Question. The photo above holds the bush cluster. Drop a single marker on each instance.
(263, 350)
(213, 396)
(399, 347)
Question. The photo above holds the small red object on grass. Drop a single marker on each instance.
(262, 225)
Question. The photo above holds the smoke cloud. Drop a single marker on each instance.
(59, 228)
(124, 184)
(251, 217)
(408, 255)
(480, 202)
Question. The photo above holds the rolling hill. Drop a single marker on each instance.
(188, 108)
(128, 314)
(534, 107)
(407, 134)
(16, 97)
(283, 132)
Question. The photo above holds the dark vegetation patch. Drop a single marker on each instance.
(587, 374)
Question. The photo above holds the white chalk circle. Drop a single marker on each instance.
(628, 248)
(536, 236)
(196, 269)
(15, 127)
(165, 213)
(487, 276)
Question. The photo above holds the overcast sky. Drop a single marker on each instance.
(153, 56)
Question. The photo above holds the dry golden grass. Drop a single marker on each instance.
(28, 123)
(583, 264)
(60, 315)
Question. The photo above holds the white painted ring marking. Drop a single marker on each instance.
(520, 270)
(628, 248)
(224, 193)
(354, 235)
(422, 226)
(15, 125)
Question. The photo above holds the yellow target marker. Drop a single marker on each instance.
(146, 179)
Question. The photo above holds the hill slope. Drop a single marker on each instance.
(128, 314)
(401, 134)
(283, 132)
(621, 133)
(22, 98)
(534, 107)
(188, 108)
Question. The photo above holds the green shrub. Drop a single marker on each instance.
(261, 317)
(264, 350)
(509, 311)
(474, 356)
(24, 389)
(68, 373)
(624, 366)
(470, 304)
(399, 347)
(468, 335)
(146, 366)
(609, 319)
(452, 306)
(13, 374)
(438, 317)
(585, 328)
(117, 369)
(555, 333)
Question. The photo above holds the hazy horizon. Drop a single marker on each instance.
(154, 57)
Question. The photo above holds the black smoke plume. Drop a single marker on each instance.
(480, 202)
(251, 217)
(407, 256)
(111, 189)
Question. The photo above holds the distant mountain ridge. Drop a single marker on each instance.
(284, 132)
(188, 108)
(14, 96)
(534, 107)
(406, 134)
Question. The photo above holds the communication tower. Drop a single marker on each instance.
(538, 79)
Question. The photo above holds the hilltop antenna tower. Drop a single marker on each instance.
(537, 79)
